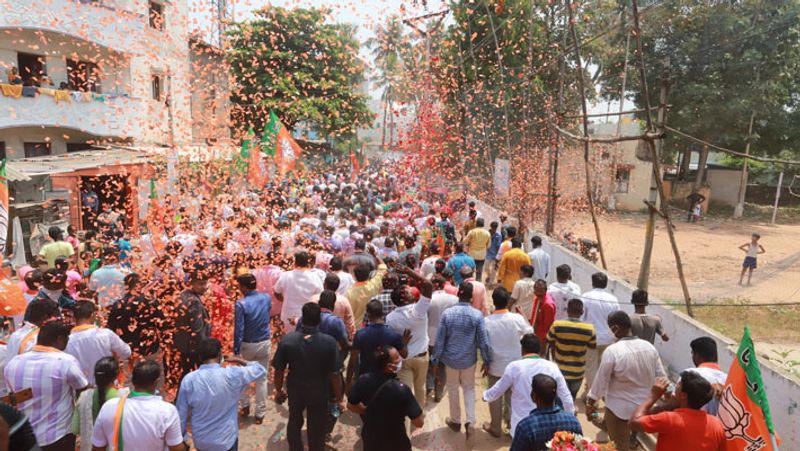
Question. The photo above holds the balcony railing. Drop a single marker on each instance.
(102, 115)
(114, 28)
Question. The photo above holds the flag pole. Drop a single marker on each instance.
(774, 442)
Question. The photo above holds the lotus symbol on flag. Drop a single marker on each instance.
(735, 421)
(288, 152)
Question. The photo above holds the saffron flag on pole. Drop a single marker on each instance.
(256, 170)
(354, 163)
(4, 205)
(287, 151)
(743, 408)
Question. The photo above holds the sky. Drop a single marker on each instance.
(365, 14)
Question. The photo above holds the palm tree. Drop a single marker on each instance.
(387, 46)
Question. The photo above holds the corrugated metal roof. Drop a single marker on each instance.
(14, 175)
(23, 168)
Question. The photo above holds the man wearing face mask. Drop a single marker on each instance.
(53, 292)
(384, 403)
(627, 371)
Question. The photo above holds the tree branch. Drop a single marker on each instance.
(610, 139)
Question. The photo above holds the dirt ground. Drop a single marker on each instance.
(434, 435)
(712, 264)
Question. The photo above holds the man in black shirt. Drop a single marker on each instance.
(313, 361)
(192, 323)
(136, 319)
(384, 403)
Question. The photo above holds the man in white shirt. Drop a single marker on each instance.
(89, 343)
(704, 356)
(539, 259)
(518, 376)
(412, 315)
(296, 287)
(523, 293)
(563, 290)
(345, 278)
(628, 370)
(597, 305)
(505, 330)
(24, 338)
(428, 266)
(148, 422)
(53, 377)
(440, 301)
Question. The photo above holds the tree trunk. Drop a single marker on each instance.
(683, 172)
(391, 123)
(701, 167)
(383, 128)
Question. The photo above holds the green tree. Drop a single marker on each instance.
(503, 60)
(388, 46)
(301, 66)
(724, 61)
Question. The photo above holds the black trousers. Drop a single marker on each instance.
(65, 443)
(315, 406)
(479, 270)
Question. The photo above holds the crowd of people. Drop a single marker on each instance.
(330, 294)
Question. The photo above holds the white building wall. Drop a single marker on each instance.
(115, 34)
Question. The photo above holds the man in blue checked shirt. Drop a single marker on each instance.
(462, 331)
(251, 338)
(208, 396)
(538, 428)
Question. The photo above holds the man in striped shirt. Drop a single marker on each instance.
(570, 339)
(54, 378)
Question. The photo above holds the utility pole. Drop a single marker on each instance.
(738, 211)
(664, 211)
(587, 171)
(552, 188)
(777, 198)
(650, 228)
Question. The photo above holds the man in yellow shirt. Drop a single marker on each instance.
(477, 243)
(57, 248)
(511, 263)
(364, 289)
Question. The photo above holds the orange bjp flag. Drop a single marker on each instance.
(354, 163)
(743, 408)
(256, 170)
(287, 151)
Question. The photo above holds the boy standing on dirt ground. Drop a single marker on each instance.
(750, 260)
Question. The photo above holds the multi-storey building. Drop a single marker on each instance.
(79, 74)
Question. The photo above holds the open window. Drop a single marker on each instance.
(31, 68)
(83, 76)
(622, 179)
(41, 149)
(156, 15)
(157, 86)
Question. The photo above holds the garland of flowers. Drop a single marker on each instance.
(568, 441)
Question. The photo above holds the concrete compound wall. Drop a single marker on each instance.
(783, 392)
